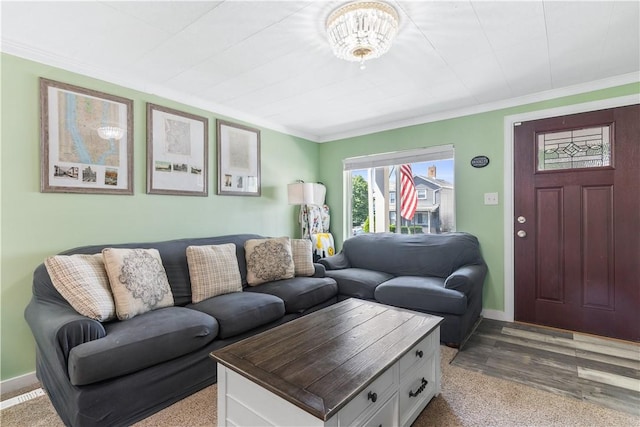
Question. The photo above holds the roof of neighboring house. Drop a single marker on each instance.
(433, 183)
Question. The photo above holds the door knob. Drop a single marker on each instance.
(522, 233)
(522, 219)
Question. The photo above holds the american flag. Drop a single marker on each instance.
(408, 195)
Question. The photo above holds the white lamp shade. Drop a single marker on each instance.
(302, 193)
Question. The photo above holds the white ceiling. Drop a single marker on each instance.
(268, 62)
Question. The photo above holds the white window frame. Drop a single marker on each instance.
(418, 155)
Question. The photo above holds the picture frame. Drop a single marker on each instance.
(177, 152)
(238, 150)
(86, 140)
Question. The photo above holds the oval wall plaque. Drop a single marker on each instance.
(479, 161)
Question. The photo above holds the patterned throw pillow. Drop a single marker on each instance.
(213, 271)
(138, 281)
(302, 257)
(268, 260)
(83, 282)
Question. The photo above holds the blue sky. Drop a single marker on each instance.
(444, 169)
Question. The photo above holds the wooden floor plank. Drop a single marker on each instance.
(557, 361)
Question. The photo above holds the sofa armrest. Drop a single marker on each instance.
(319, 270)
(468, 279)
(57, 328)
(335, 262)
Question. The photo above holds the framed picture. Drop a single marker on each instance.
(238, 159)
(177, 159)
(86, 140)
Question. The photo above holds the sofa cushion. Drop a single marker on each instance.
(421, 293)
(82, 280)
(138, 281)
(300, 293)
(358, 282)
(213, 270)
(268, 260)
(135, 344)
(240, 312)
(302, 257)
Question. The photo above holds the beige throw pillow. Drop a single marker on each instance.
(268, 260)
(138, 281)
(302, 257)
(82, 280)
(213, 270)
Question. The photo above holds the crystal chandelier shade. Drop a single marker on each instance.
(110, 132)
(362, 30)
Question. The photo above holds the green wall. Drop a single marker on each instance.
(478, 134)
(36, 225)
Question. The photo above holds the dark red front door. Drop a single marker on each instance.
(577, 222)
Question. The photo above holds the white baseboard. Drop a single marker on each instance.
(496, 315)
(16, 383)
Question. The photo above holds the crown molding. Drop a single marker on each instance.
(492, 106)
(69, 64)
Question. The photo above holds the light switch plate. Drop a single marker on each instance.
(490, 198)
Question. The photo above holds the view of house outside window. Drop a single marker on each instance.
(420, 200)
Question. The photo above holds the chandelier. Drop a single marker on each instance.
(362, 30)
(110, 132)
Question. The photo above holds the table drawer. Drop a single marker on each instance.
(417, 388)
(372, 397)
(387, 415)
(420, 352)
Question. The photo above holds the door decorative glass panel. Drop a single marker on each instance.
(575, 149)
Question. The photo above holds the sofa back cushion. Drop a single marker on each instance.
(174, 260)
(436, 255)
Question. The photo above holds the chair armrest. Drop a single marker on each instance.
(468, 279)
(335, 262)
(57, 328)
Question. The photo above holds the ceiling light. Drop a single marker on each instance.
(362, 30)
(110, 132)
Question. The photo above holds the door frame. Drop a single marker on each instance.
(508, 191)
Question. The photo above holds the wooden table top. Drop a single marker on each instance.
(320, 361)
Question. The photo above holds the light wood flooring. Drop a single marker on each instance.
(585, 367)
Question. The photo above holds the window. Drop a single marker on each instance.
(574, 149)
(375, 202)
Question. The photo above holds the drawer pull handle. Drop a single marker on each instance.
(419, 353)
(420, 389)
(372, 396)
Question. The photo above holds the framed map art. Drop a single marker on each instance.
(86, 140)
(177, 156)
(238, 159)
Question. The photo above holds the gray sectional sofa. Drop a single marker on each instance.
(117, 372)
(440, 274)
